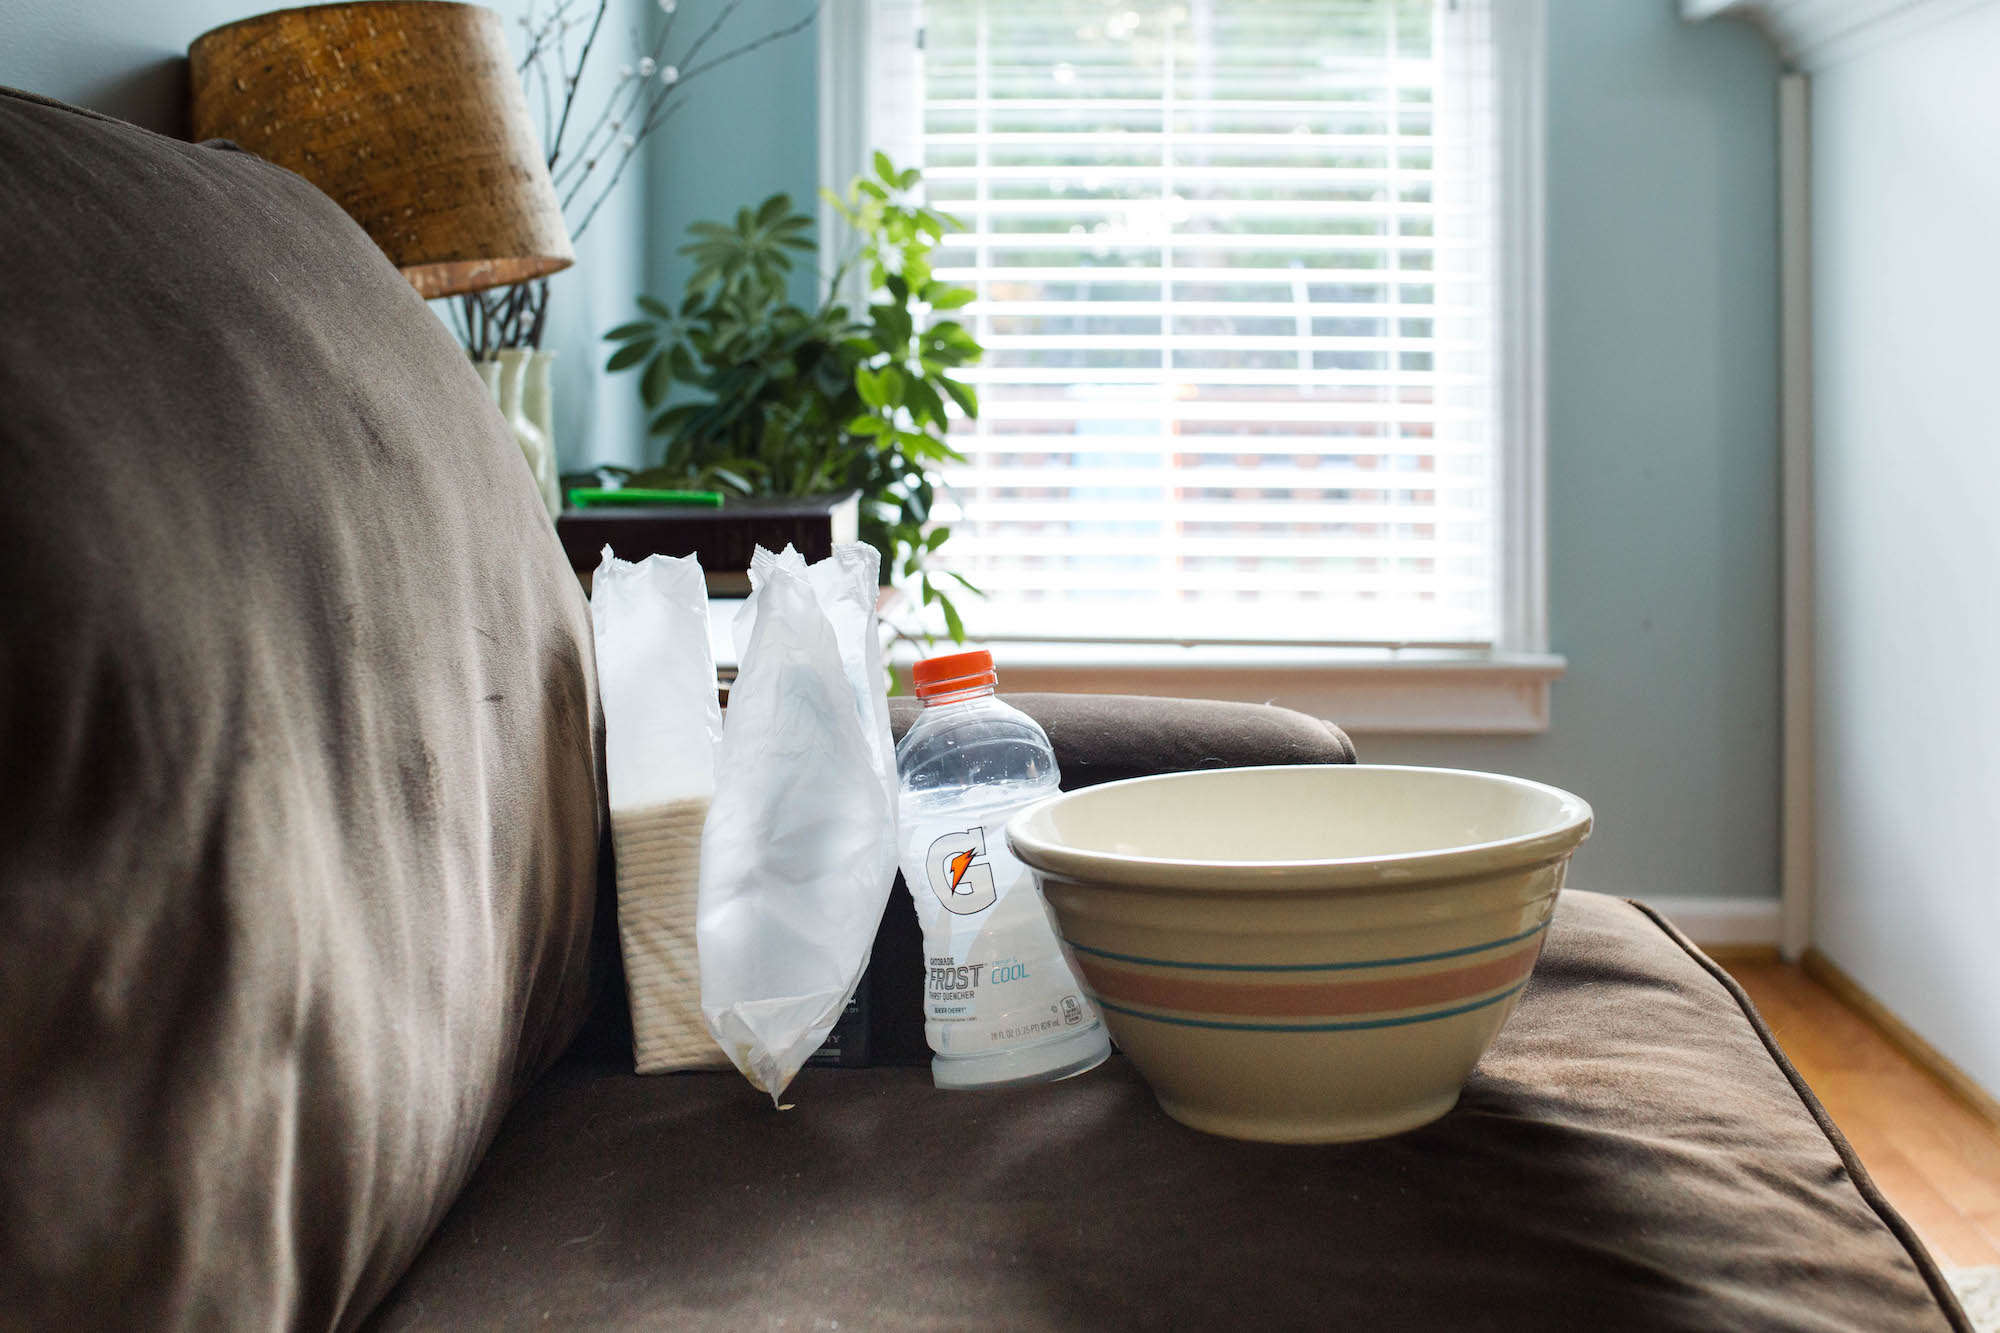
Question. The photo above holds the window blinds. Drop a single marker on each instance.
(1236, 276)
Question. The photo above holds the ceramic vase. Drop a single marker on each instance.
(538, 402)
(510, 377)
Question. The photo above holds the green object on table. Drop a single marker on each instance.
(590, 497)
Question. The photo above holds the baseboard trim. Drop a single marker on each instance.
(1727, 929)
(1900, 1035)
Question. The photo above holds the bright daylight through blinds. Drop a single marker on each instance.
(1235, 262)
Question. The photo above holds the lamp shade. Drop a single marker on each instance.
(410, 115)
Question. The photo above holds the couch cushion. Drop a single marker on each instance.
(1631, 1154)
(296, 747)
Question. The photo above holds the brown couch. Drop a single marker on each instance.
(308, 1006)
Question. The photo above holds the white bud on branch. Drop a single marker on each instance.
(618, 126)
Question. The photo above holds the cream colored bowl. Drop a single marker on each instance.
(1310, 954)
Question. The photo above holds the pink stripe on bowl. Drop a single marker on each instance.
(1302, 999)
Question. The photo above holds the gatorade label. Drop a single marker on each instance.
(995, 974)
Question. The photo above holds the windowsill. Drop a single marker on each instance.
(1364, 691)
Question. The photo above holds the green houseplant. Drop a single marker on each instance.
(752, 392)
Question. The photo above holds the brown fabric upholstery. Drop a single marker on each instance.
(296, 747)
(1107, 737)
(1630, 1155)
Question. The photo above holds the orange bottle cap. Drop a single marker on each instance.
(953, 673)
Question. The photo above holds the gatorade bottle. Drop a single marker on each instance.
(1002, 1007)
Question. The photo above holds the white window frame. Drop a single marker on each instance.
(1503, 690)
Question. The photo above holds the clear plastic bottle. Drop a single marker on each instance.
(1002, 1007)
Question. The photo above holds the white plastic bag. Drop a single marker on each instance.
(662, 724)
(800, 848)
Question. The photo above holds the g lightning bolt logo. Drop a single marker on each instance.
(959, 865)
(961, 881)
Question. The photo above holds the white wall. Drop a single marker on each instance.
(1906, 283)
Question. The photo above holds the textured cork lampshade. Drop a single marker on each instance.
(410, 115)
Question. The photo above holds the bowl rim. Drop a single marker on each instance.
(1394, 870)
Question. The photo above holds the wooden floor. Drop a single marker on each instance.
(1938, 1162)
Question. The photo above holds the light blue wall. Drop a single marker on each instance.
(749, 131)
(1662, 381)
(1663, 453)
(128, 58)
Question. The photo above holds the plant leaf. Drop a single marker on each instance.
(625, 332)
(962, 394)
(925, 403)
(656, 380)
(631, 354)
(892, 326)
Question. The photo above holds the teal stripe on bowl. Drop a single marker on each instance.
(1306, 967)
(1358, 1025)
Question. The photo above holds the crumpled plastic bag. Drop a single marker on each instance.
(662, 723)
(800, 848)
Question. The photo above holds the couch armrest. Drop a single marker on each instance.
(1106, 737)
(1097, 738)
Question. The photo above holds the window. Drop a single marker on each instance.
(1260, 360)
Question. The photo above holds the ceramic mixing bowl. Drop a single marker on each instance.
(1305, 954)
